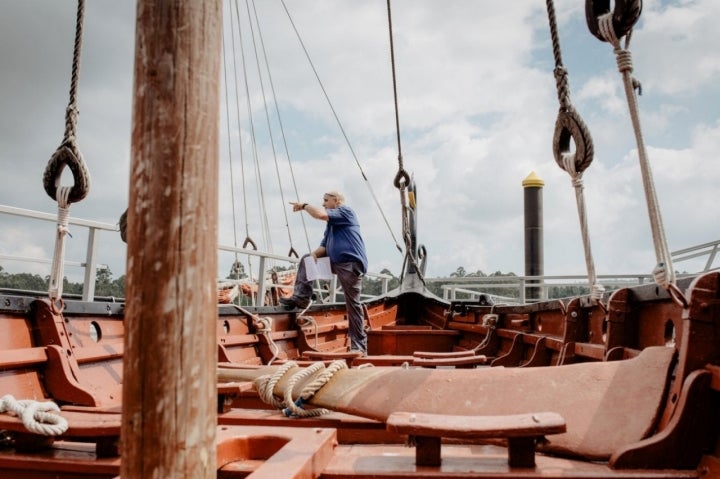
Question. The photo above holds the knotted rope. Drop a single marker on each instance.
(264, 327)
(67, 154)
(570, 126)
(35, 415)
(663, 272)
(265, 386)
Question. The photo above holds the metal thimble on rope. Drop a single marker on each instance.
(67, 154)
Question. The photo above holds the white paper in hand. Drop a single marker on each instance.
(318, 270)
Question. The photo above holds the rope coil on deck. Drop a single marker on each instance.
(36, 416)
(265, 386)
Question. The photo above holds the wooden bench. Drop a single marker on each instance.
(606, 405)
(521, 431)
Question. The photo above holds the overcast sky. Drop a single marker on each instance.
(477, 106)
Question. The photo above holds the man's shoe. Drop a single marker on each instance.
(293, 303)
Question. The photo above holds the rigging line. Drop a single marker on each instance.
(337, 119)
(570, 126)
(230, 162)
(240, 143)
(664, 272)
(258, 177)
(394, 82)
(401, 174)
(267, 114)
(282, 129)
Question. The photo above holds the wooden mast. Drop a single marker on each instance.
(169, 386)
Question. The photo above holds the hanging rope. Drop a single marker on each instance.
(402, 178)
(570, 126)
(235, 269)
(37, 417)
(248, 239)
(663, 272)
(67, 154)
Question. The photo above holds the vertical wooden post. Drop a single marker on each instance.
(169, 387)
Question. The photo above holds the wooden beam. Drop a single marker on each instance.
(169, 398)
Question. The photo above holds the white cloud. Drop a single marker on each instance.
(477, 108)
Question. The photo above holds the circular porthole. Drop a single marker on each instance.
(95, 331)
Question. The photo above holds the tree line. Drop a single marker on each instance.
(107, 286)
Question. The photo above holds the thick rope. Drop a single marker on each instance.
(664, 273)
(68, 154)
(37, 417)
(265, 386)
(56, 273)
(569, 126)
(597, 290)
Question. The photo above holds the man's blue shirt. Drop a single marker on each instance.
(342, 239)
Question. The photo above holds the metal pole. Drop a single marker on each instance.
(534, 261)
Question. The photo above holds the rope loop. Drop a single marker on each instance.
(249, 241)
(263, 326)
(402, 179)
(294, 408)
(37, 417)
(266, 384)
(624, 16)
(68, 155)
(570, 126)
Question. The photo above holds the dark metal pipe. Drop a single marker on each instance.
(534, 263)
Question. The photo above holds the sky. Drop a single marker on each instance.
(477, 105)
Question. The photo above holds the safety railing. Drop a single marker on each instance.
(539, 287)
(90, 264)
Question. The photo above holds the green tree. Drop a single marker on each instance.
(105, 285)
(24, 281)
(373, 286)
(459, 273)
(237, 271)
